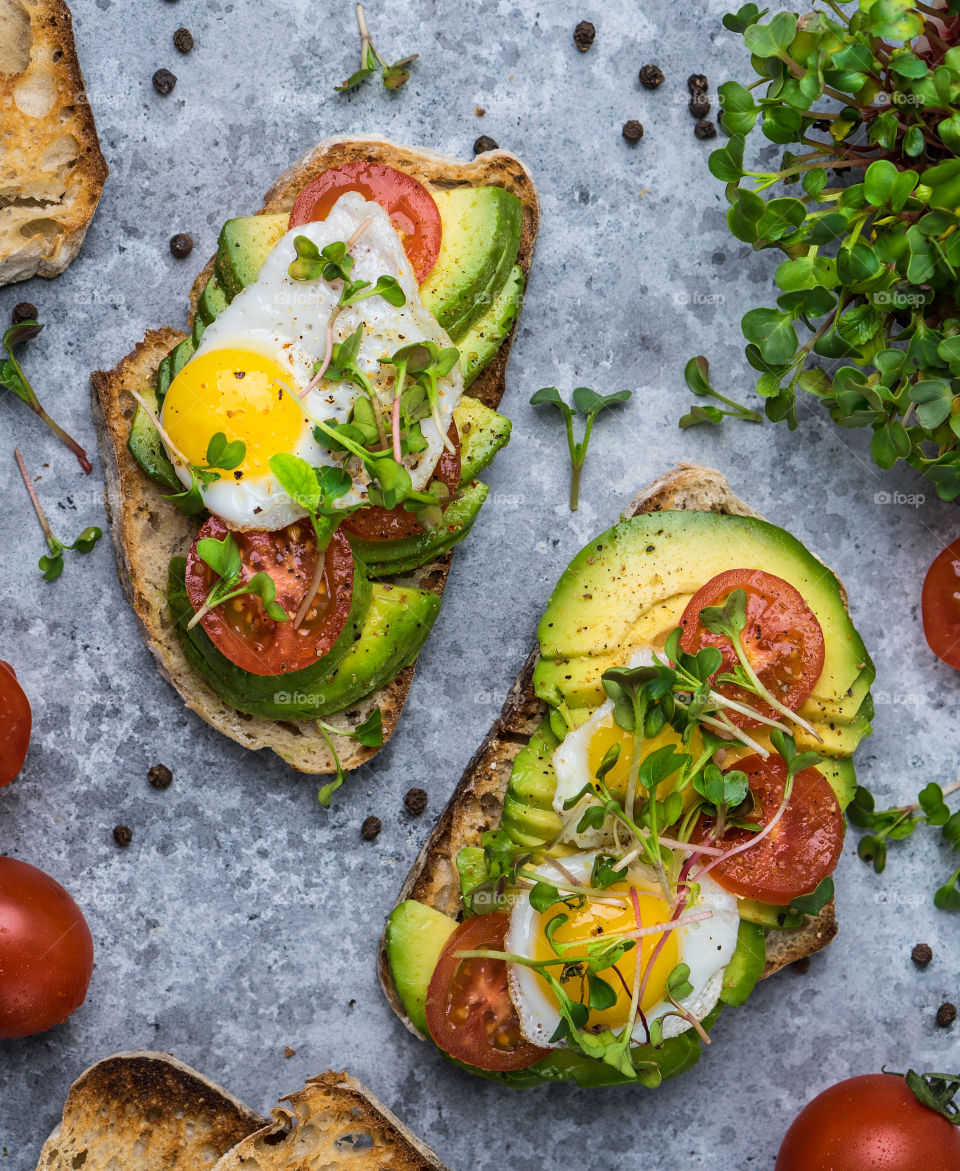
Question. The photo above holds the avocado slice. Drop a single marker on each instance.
(146, 447)
(768, 916)
(528, 814)
(481, 235)
(212, 301)
(483, 339)
(406, 553)
(416, 935)
(244, 244)
(746, 964)
(171, 365)
(482, 433)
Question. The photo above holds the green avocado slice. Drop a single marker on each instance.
(416, 935)
(480, 344)
(245, 243)
(146, 447)
(482, 433)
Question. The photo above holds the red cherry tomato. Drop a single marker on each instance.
(409, 204)
(241, 628)
(803, 847)
(388, 524)
(782, 638)
(469, 1011)
(869, 1123)
(940, 605)
(16, 720)
(46, 952)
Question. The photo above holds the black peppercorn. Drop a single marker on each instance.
(24, 311)
(122, 835)
(632, 130)
(160, 776)
(484, 143)
(699, 105)
(922, 954)
(370, 828)
(651, 76)
(183, 40)
(697, 83)
(415, 801)
(705, 129)
(946, 1014)
(584, 35)
(164, 81)
(181, 245)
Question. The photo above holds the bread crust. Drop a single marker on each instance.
(477, 802)
(52, 171)
(147, 531)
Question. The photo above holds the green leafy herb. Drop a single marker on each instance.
(369, 734)
(697, 376)
(52, 562)
(589, 404)
(334, 263)
(814, 902)
(13, 378)
(395, 76)
(224, 559)
(221, 457)
(938, 1091)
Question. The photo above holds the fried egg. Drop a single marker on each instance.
(256, 359)
(706, 947)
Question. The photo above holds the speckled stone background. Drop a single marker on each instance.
(244, 918)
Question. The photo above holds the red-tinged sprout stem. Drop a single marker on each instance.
(35, 500)
(635, 995)
(757, 837)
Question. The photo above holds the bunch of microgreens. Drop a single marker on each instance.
(677, 690)
(866, 105)
(899, 822)
(369, 734)
(13, 378)
(52, 562)
(395, 76)
(589, 404)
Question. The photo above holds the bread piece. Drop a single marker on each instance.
(149, 1112)
(51, 168)
(146, 1112)
(148, 531)
(477, 801)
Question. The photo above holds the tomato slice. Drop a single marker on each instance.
(241, 628)
(409, 204)
(804, 846)
(782, 638)
(940, 605)
(16, 720)
(389, 524)
(469, 1011)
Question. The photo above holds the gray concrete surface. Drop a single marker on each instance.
(244, 918)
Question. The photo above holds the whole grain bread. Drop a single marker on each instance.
(51, 169)
(149, 1112)
(477, 801)
(148, 531)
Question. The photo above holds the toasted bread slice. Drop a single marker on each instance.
(149, 1112)
(477, 801)
(148, 531)
(51, 170)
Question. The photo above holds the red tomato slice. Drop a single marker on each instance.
(16, 719)
(409, 204)
(389, 524)
(804, 846)
(469, 1011)
(782, 638)
(869, 1123)
(46, 951)
(940, 605)
(241, 628)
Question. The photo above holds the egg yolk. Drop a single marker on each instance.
(245, 395)
(608, 732)
(592, 922)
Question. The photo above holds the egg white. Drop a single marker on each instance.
(706, 947)
(286, 320)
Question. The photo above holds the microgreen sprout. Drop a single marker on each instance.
(222, 456)
(334, 263)
(52, 562)
(13, 378)
(696, 374)
(589, 404)
(369, 734)
(424, 363)
(223, 557)
(395, 76)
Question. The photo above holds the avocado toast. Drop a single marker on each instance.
(488, 211)
(530, 854)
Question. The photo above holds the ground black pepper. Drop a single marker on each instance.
(946, 1014)
(705, 129)
(370, 828)
(24, 311)
(922, 954)
(651, 76)
(584, 35)
(160, 776)
(632, 130)
(183, 40)
(699, 105)
(697, 83)
(484, 143)
(415, 801)
(164, 81)
(181, 245)
(122, 835)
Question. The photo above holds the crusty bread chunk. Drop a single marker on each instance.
(51, 168)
